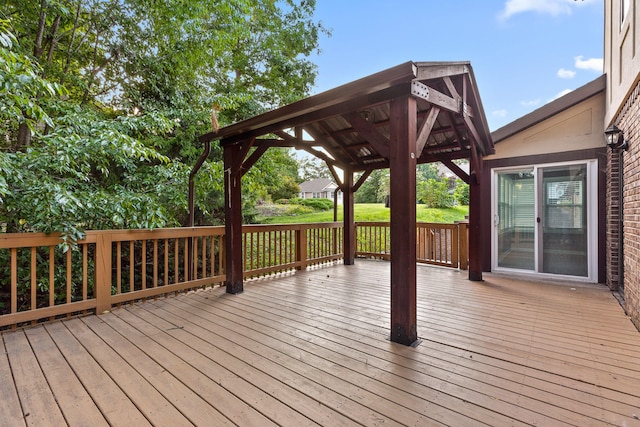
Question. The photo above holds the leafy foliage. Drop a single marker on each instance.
(317, 204)
(374, 189)
(101, 103)
(461, 193)
(313, 168)
(435, 194)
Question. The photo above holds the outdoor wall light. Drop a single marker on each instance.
(615, 138)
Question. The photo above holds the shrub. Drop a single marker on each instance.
(461, 193)
(436, 194)
(317, 204)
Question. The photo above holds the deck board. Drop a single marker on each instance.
(75, 403)
(312, 348)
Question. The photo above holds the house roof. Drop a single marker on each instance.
(352, 122)
(574, 97)
(317, 185)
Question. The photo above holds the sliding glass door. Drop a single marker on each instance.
(515, 219)
(542, 219)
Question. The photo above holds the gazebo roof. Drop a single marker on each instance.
(351, 123)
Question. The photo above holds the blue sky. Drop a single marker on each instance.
(524, 53)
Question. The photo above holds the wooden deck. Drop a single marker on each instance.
(312, 348)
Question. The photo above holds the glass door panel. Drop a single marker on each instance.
(516, 219)
(563, 241)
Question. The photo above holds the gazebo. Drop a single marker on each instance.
(413, 113)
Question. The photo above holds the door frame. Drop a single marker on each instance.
(592, 220)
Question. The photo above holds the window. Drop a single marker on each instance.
(624, 10)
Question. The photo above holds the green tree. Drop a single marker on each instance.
(373, 190)
(435, 194)
(313, 168)
(101, 103)
(461, 192)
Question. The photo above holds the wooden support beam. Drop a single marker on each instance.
(455, 169)
(475, 233)
(233, 219)
(425, 130)
(243, 150)
(327, 135)
(429, 94)
(334, 174)
(253, 158)
(319, 154)
(242, 130)
(349, 233)
(403, 220)
(369, 132)
(451, 87)
(362, 179)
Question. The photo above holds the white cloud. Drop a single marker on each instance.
(530, 103)
(594, 64)
(561, 94)
(551, 7)
(566, 74)
(499, 113)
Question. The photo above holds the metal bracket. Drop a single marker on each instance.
(419, 90)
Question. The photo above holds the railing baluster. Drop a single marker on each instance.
(165, 275)
(132, 267)
(176, 263)
(155, 263)
(85, 273)
(119, 267)
(185, 254)
(34, 280)
(69, 289)
(14, 279)
(52, 277)
(204, 257)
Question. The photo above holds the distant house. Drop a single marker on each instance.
(320, 188)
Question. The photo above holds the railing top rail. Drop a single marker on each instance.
(29, 240)
(296, 226)
(373, 223)
(26, 240)
(435, 225)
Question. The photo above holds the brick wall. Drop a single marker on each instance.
(613, 221)
(629, 122)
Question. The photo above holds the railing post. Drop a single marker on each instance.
(103, 273)
(301, 247)
(463, 245)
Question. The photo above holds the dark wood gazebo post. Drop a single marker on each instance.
(233, 217)
(402, 161)
(349, 236)
(475, 232)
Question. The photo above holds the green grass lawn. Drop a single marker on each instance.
(375, 212)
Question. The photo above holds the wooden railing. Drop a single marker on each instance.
(436, 244)
(276, 248)
(38, 280)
